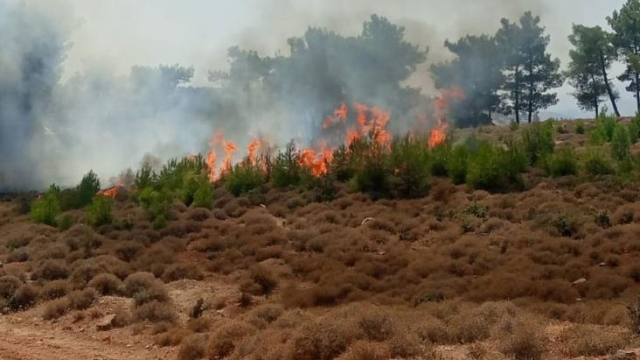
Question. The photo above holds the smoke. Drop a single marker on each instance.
(81, 88)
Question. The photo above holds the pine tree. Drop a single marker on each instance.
(530, 70)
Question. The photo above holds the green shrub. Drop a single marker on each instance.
(409, 160)
(439, 159)
(65, 222)
(46, 208)
(156, 204)
(597, 163)
(286, 170)
(620, 143)
(99, 212)
(341, 167)
(145, 177)
(89, 186)
(563, 162)
(580, 129)
(634, 129)
(495, 169)
(204, 196)
(373, 174)
(457, 164)
(603, 129)
(244, 177)
(538, 141)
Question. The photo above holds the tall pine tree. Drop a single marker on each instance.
(591, 57)
(626, 27)
(530, 71)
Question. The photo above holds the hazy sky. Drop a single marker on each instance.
(117, 34)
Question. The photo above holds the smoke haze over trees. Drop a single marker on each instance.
(56, 125)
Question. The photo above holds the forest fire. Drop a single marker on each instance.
(364, 122)
(111, 192)
(438, 134)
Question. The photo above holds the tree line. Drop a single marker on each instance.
(512, 72)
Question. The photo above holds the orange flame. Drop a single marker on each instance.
(252, 150)
(339, 114)
(438, 134)
(111, 192)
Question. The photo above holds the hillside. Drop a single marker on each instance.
(542, 265)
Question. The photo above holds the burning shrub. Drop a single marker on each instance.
(46, 209)
(99, 212)
(244, 177)
(409, 159)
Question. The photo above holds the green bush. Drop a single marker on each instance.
(99, 212)
(597, 163)
(620, 143)
(439, 159)
(409, 161)
(538, 141)
(204, 196)
(65, 222)
(89, 186)
(603, 129)
(634, 129)
(373, 174)
(341, 167)
(46, 208)
(580, 129)
(563, 162)
(495, 169)
(145, 177)
(244, 177)
(156, 204)
(286, 170)
(457, 164)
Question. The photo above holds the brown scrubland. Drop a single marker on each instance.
(549, 271)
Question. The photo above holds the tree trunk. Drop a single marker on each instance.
(638, 90)
(517, 93)
(531, 88)
(608, 86)
(595, 95)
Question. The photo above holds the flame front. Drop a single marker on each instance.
(348, 124)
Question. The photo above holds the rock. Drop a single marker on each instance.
(603, 264)
(263, 206)
(623, 355)
(579, 281)
(106, 323)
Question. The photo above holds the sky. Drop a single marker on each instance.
(117, 34)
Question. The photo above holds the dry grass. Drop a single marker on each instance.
(583, 340)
